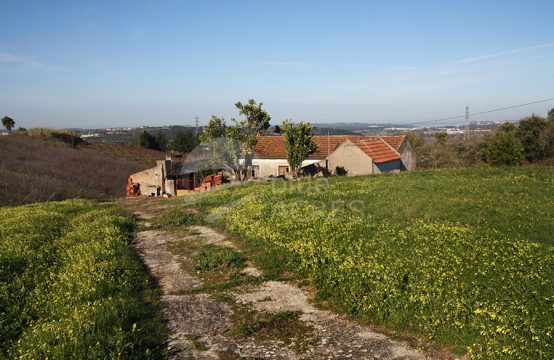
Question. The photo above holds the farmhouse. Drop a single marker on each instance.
(337, 154)
(173, 176)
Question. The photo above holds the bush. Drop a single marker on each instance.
(504, 149)
(531, 134)
(66, 138)
(40, 132)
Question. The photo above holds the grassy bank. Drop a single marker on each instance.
(70, 287)
(463, 257)
(41, 169)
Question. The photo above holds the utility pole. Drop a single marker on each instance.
(466, 132)
(196, 122)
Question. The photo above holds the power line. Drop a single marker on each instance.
(481, 112)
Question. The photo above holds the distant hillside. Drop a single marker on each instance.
(132, 153)
(36, 169)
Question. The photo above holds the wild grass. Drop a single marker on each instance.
(70, 286)
(463, 257)
(174, 217)
(211, 256)
(38, 169)
(253, 322)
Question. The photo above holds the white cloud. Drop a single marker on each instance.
(19, 60)
(500, 54)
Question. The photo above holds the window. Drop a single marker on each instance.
(255, 171)
(282, 169)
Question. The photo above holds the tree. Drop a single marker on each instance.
(531, 134)
(8, 123)
(504, 149)
(508, 127)
(416, 138)
(255, 122)
(216, 128)
(225, 145)
(233, 145)
(441, 137)
(147, 141)
(185, 141)
(551, 115)
(277, 129)
(161, 139)
(299, 143)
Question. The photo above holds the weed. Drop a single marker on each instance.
(284, 326)
(197, 343)
(210, 257)
(174, 217)
(255, 322)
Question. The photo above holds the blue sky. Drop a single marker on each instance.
(126, 63)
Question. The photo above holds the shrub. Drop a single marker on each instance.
(531, 134)
(40, 132)
(504, 149)
(67, 138)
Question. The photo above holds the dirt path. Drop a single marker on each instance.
(228, 313)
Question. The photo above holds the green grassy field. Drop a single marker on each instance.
(463, 257)
(70, 286)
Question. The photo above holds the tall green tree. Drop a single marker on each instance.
(8, 123)
(161, 139)
(504, 148)
(530, 132)
(299, 143)
(255, 122)
(147, 141)
(185, 141)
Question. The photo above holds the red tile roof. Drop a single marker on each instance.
(378, 150)
(273, 147)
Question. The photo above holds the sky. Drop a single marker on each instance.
(148, 63)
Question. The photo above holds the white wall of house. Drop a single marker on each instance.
(268, 167)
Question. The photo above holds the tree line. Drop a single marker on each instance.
(530, 140)
(185, 141)
(231, 144)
